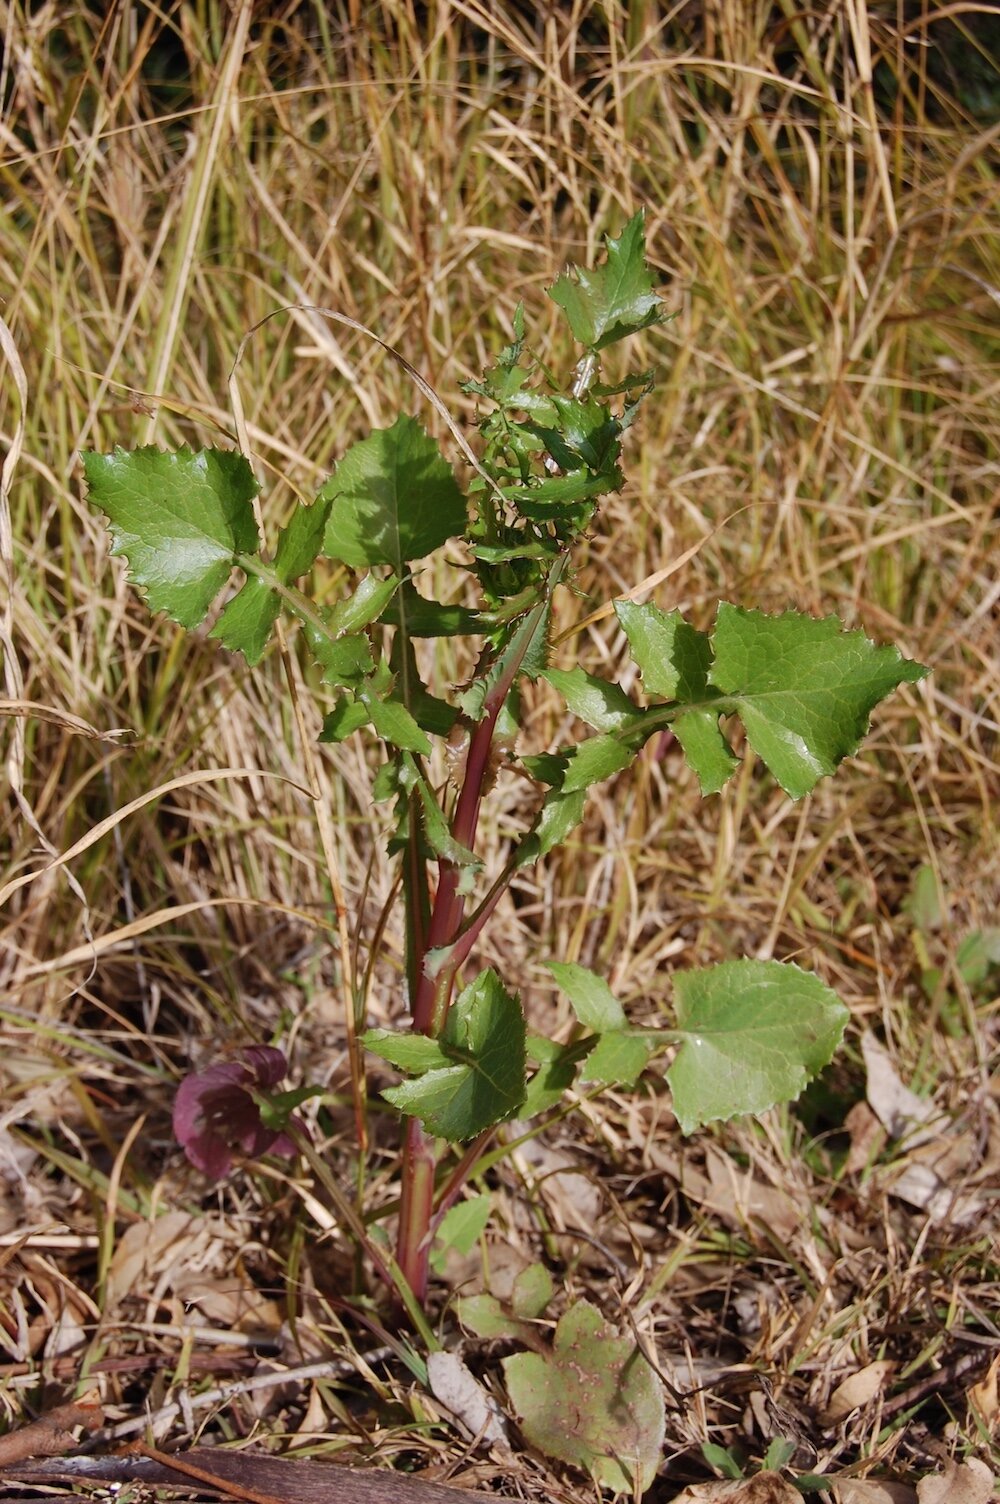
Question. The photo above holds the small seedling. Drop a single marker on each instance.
(745, 1034)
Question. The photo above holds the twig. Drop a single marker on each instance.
(224, 1485)
(223, 1393)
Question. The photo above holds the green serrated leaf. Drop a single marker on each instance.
(804, 688)
(603, 705)
(586, 435)
(394, 498)
(617, 298)
(559, 814)
(555, 1075)
(367, 604)
(300, 541)
(673, 658)
(557, 497)
(593, 1401)
(180, 518)
(388, 783)
(394, 723)
(617, 1059)
(344, 660)
(484, 1038)
(346, 717)
(431, 714)
(245, 623)
(753, 1034)
(594, 1004)
(708, 753)
(594, 760)
(415, 1053)
(439, 836)
(423, 618)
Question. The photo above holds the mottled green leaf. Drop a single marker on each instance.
(532, 1292)
(486, 1317)
(592, 1401)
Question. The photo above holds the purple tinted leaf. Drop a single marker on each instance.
(266, 1064)
(215, 1112)
(209, 1155)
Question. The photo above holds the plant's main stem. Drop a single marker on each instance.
(433, 988)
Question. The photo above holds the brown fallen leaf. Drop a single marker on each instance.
(762, 1488)
(900, 1111)
(961, 1483)
(984, 1396)
(54, 1432)
(869, 1491)
(858, 1389)
(475, 1411)
(867, 1137)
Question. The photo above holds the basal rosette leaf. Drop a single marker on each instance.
(753, 1033)
(615, 299)
(592, 1401)
(180, 518)
(394, 498)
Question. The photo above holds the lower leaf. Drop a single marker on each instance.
(753, 1034)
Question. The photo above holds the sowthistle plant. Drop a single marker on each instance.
(746, 1034)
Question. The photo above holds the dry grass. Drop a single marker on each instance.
(824, 434)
